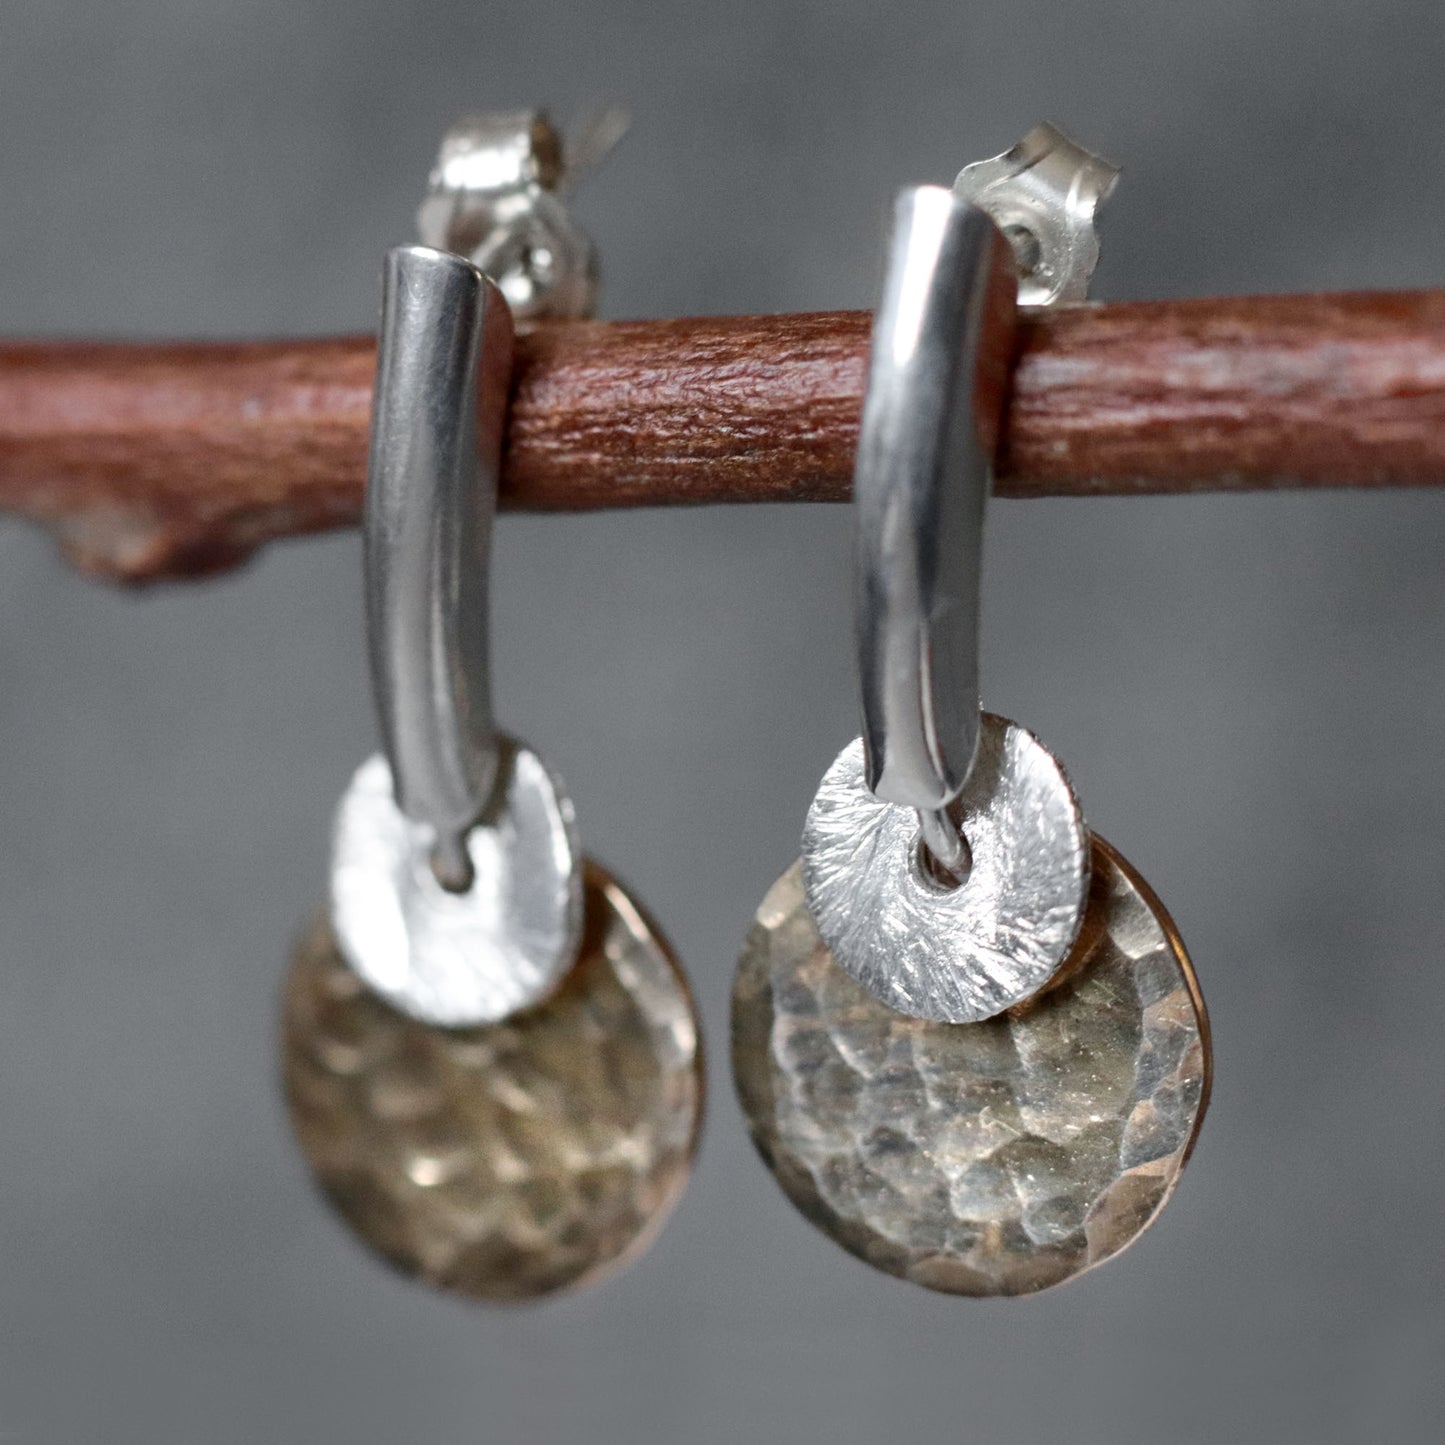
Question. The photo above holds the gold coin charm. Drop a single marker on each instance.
(991, 1158)
(514, 1159)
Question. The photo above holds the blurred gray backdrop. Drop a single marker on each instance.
(1248, 692)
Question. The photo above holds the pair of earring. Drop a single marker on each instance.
(966, 1037)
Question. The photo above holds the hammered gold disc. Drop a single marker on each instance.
(992, 1158)
(514, 1159)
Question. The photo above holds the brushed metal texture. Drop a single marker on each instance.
(993, 1158)
(516, 1159)
(959, 954)
(458, 959)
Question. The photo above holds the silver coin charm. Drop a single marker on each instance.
(993, 1158)
(452, 958)
(515, 1159)
(963, 953)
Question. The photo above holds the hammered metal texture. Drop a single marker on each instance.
(459, 958)
(961, 954)
(993, 1158)
(512, 1160)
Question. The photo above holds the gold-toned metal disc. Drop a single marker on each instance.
(514, 1159)
(992, 1158)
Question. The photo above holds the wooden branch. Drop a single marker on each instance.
(174, 460)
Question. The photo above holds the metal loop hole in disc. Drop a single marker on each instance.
(952, 955)
(459, 958)
(933, 872)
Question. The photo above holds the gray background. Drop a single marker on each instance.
(1247, 691)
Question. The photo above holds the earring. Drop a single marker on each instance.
(491, 1057)
(966, 1036)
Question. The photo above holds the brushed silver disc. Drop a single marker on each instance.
(960, 954)
(459, 959)
(995, 1158)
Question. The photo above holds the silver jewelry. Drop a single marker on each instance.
(456, 888)
(497, 196)
(965, 1034)
(492, 1059)
(950, 891)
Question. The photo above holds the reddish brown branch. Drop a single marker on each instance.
(152, 461)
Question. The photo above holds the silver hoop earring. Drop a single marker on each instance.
(966, 1036)
(492, 1059)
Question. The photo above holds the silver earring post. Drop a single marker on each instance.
(945, 857)
(943, 343)
(930, 424)
(456, 882)
(430, 498)
(456, 887)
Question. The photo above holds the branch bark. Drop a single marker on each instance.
(176, 460)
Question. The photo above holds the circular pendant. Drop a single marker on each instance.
(511, 1160)
(459, 958)
(962, 953)
(991, 1158)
